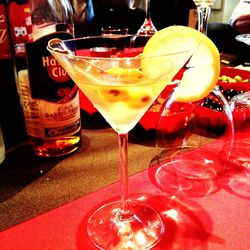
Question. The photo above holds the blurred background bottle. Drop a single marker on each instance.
(11, 115)
(49, 98)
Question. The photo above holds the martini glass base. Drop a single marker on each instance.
(142, 229)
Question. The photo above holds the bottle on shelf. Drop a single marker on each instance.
(49, 98)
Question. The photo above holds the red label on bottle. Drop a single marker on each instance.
(55, 71)
(4, 41)
(20, 25)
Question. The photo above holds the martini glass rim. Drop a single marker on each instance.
(112, 58)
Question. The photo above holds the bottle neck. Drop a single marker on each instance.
(50, 16)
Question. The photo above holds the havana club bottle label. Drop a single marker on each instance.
(50, 98)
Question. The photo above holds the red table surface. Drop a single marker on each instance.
(210, 214)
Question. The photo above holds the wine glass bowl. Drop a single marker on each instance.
(197, 149)
(118, 84)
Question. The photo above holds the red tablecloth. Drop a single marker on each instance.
(211, 214)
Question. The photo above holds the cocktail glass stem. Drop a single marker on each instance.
(124, 223)
(203, 18)
(123, 168)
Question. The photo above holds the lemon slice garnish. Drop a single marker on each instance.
(203, 67)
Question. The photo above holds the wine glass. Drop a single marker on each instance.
(210, 115)
(204, 10)
(147, 28)
(111, 77)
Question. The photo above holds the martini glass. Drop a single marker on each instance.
(114, 81)
(204, 10)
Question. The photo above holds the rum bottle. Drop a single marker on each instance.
(49, 98)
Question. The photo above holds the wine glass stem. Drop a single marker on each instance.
(123, 168)
(203, 17)
(147, 8)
